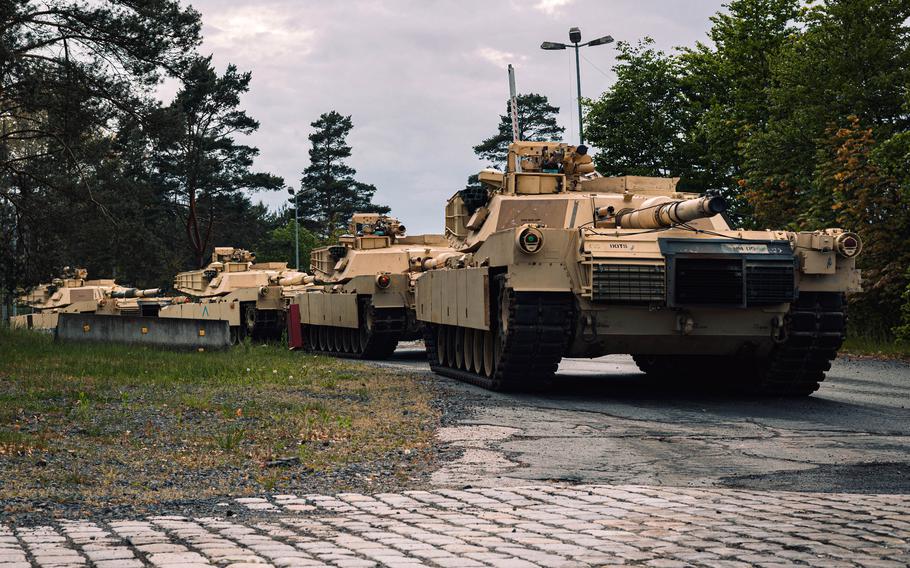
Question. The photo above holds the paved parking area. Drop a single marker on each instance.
(542, 525)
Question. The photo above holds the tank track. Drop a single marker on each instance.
(816, 328)
(377, 341)
(526, 356)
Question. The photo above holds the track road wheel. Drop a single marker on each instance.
(248, 320)
(467, 342)
(529, 336)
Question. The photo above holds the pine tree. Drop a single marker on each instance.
(536, 122)
(199, 158)
(329, 192)
(71, 73)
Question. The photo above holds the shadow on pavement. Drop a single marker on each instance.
(629, 393)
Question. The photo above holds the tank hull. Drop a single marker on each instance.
(728, 300)
(363, 303)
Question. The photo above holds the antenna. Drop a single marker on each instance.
(514, 103)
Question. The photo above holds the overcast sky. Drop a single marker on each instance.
(424, 80)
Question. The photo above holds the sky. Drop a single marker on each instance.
(424, 80)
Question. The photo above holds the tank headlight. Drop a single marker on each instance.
(848, 245)
(383, 281)
(530, 240)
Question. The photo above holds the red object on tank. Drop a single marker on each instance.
(295, 338)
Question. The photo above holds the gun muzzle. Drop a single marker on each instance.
(664, 215)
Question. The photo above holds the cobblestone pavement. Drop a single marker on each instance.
(548, 526)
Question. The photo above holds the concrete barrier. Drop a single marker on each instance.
(156, 332)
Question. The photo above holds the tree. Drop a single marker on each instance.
(640, 125)
(856, 193)
(70, 72)
(198, 158)
(852, 57)
(726, 85)
(278, 245)
(536, 122)
(329, 193)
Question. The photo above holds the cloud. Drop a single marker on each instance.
(499, 58)
(257, 28)
(423, 81)
(550, 7)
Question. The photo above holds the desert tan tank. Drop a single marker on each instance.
(363, 303)
(252, 297)
(74, 293)
(558, 261)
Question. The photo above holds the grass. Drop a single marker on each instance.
(873, 347)
(107, 424)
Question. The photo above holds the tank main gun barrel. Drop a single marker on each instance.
(295, 279)
(672, 213)
(135, 293)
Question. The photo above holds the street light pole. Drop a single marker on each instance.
(581, 127)
(575, 39)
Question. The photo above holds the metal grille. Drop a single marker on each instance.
(733, 282)
(709, 281)
(628, 283)
(770, 283)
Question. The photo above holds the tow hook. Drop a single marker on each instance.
(778, 329)
(685, 324)
(589, 323)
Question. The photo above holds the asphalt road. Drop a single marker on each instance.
(603, 422)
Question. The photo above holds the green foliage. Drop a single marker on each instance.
(536, 122)
(94, 171)
(851, 58)
(727, 84)
(902, 331)
(278, 246)
(852, 191)
(329, 193)
(635, 124)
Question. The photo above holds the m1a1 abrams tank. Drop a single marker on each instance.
(74, 293)
(363, 303)
(559, 262)
(252, 297)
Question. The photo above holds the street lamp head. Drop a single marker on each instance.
(552, 45)
(291, 191)
(601, 40)
(575, 35)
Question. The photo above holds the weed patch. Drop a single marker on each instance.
(109, 424)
